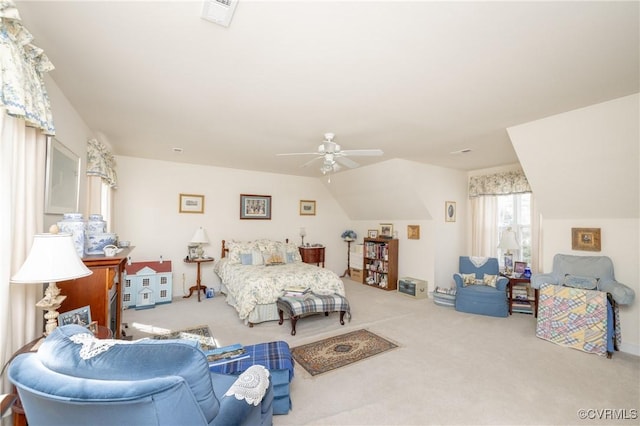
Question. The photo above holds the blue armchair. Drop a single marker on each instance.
(585, 269)
(75, 379)
(479, 287)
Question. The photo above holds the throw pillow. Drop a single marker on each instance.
(468, 279)
(490, 280)
(273, 258)
(246, 258)
(576, 281)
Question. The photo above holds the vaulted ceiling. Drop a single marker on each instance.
(419, 80)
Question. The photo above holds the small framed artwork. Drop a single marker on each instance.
(587, 239)
(191, 203)
(413, 232)
(449, 211)
(307, 208)
(386, 230)
(62, 178)
(518, 267)
(372, 233)
(80, 316)
(255, 206)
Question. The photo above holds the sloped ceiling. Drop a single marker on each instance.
(384, 191)
(418, 79)
(584, 163)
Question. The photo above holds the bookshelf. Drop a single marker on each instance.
(380, 263)
(522, 297)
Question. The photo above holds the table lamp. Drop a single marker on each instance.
(53, 258)
(508, 242)
(199, 238)
(303, 233)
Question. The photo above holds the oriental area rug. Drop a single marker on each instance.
(338, 351)
(201, 333)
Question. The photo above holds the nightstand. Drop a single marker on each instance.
(522, 298)
(312, 255)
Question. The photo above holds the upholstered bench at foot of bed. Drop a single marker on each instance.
(311, 304)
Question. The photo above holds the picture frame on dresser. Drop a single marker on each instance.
(80, 316)
(518, 267)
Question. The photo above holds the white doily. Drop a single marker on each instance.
(92, 347)
(478, 261)
(251, 385)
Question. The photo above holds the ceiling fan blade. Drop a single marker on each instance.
(311, 161)
(348, 162)
(296, 153)
(363, 152)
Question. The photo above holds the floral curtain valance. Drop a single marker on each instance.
(100, 162)
(22, 66)
(514, 182)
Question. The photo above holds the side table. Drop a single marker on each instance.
(198, 285)
(312, 255)
(526, 283)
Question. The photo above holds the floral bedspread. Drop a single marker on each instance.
(251, 285)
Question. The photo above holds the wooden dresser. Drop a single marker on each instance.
(101, 290)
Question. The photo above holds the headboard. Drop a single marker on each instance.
(225, 250)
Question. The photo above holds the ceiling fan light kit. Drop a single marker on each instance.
(332, 154)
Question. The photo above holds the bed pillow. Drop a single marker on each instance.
(256, 257)
(292, 253)
(577, 281)
(246, 258)
(273, 258)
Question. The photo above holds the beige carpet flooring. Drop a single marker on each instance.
(450, 368)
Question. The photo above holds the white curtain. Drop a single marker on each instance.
(22, 155)
(25, 119)
(484, 226)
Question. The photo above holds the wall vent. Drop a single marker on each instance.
(219, 11)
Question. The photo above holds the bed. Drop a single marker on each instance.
(255, 273)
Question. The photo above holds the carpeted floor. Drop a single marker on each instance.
(339, 351)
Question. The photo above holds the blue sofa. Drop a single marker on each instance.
(75, 379)
(477, 297)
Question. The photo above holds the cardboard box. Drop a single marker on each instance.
(412, 287)
(356, 274)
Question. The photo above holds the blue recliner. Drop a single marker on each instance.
(477, 295)
(75, 379)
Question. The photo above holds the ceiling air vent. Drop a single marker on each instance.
(219, 11)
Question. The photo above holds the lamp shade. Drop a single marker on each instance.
(508, 240)
(200, 237)
(53, 258)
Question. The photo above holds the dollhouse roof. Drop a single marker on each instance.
(155, 266)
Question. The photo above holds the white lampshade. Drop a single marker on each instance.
(53, 258)
(200, 237)
(303, 232)
(508, 241)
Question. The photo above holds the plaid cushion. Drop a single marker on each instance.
(313, 304)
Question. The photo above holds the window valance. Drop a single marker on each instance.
(100, 162)
(22, 90)
(513, 182)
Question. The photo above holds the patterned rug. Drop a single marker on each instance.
(338, 351)
(202, 333)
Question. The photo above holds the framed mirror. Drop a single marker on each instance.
(62, 179)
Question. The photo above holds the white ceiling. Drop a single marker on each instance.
(418, 80)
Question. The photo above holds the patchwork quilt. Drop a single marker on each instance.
(574, 317)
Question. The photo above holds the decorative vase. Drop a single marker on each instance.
(72, 223)
(527, 272)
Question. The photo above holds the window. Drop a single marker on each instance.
(514, 211)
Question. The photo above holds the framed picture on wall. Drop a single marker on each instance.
(62, 178)
(587, 239)
(413, 232)
(255, 206)
(450, 211)
(191, 203)
(307, 208)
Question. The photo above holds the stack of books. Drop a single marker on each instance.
(296, 292)
(226, 354)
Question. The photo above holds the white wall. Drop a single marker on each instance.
(583, 167)
(146, 212)
(73, 133)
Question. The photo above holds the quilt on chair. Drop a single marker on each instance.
(575, 318)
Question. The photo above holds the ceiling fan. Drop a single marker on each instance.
(334, 156)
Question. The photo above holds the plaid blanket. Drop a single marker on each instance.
(272, 355)
(313, 304)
